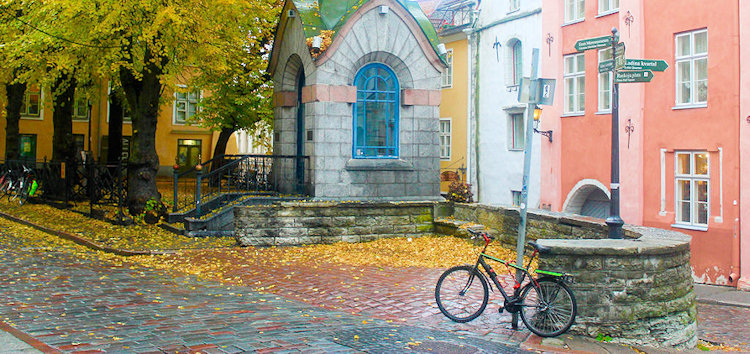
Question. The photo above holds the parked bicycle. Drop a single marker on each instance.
(546, 304)
(18, 186)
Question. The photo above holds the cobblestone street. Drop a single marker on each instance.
(81, 305)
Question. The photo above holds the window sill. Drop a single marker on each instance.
(690, 106)
(513, 11)
(376, 164)
(579, 114)
(607, 13)
(32, 118)
(515, 149)
(573, 22)
(447, 87)
(690, 227)
(603, 112)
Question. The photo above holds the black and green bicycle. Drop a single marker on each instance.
(546, 304)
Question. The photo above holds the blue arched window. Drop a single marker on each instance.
(376, 113)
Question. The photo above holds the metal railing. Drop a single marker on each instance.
(239, 174)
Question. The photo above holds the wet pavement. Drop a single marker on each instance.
(76, 304)
(80, 304)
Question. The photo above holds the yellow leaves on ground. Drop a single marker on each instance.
(134, 237)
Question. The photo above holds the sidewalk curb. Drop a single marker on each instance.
(37, 344)
(534, 343)
(722, 303)
(82, 241)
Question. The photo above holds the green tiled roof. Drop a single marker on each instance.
(331, 15)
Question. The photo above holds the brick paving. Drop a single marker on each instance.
(727, 325)
(78, 305)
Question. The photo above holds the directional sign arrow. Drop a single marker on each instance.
(624, 77)
(645, 64)
(593, 43)
(606, 66)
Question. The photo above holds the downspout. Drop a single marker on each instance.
(472, 132)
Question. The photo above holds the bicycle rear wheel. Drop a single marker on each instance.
(461, 293)
(548, 310)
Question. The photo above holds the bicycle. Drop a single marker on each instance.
(23, 187)
(546, 304)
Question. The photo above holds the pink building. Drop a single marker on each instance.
(681, 152)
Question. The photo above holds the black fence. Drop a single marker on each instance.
(77, 182)
(240, 174)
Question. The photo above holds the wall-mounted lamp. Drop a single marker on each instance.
(384, 9)
(441, 49)
(537, 117)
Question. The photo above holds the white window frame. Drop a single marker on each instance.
(575, 75)
(691, 58)
(512, 138)
(446, 136)
(580, 11)
(607, 7)
(447, 76)
(76, 100)
(26, 98)
(692, 177)
(514, 5)
(516, 63)
(601, 92)
(188, 102)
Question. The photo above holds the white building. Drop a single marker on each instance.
(501, 45)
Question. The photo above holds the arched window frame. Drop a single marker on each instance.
(390, 149)
(516, 56)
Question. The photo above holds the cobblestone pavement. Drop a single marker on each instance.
(79, 305)
(727, 325)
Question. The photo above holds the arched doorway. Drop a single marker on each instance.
(589, 198)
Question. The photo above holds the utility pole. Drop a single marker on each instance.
(521, 243)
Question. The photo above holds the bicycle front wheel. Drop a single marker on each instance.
(548, 310)
(461, 293)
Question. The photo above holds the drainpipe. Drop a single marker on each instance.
(472, 164)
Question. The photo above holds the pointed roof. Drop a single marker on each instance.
(330, 15)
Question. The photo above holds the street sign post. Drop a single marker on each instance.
(645, 64)
(546, 91)
(619, 56)
(594, 43)
(623, 77)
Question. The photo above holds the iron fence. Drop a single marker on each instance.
(239, 174)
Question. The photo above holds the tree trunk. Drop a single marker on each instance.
(221, 147)
(15, 94)
(116, 113)
(63, 145)
(143, 95)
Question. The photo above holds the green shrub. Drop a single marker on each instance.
(460, 192)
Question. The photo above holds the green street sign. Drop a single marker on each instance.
(623, 77)
(606, 66)
(594, 43)
(645, 64)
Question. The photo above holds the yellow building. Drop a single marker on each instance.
(176, 140)
(450, 18)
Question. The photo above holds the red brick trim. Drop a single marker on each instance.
(329, 93)
(415, 97)
(285, 99)
(37, 344)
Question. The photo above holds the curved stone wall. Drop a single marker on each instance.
(638, 290)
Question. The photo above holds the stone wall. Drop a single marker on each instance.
(638, 290)
(297, 223)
